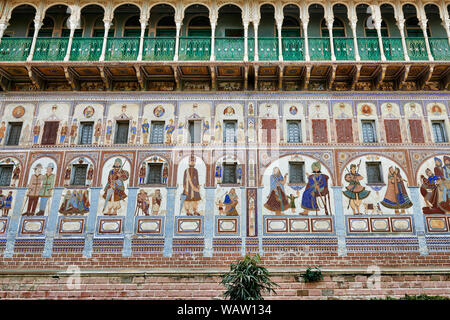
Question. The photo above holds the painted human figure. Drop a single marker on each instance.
(67, 175)
(145, 131)
(218, 132)
(108, 132)
(156, 201)
(143, 202)
(63, 133)
(133, 132)
(292, 199)
(180, 136)
(191, 189)
(355, 192)
(445, 185)
(15, 175)
(7, 204)
(36, 132)
(73, 131)
(218, 173)
(277, 200)
(25, 136)
(241, 133)
(206, 134)
(90, 175)
(316, 190)
(230, 202)
(114, 192)
(170, 128)
(396, 196)
(142, 173)
(46, 191)
(251, 130)
(165, 173)
(239, 174)
(430, 192)
(2, 131)
(98, 131)
(34, 187)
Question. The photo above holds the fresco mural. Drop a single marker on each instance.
(434, 181)
(307, 195)
(41, 181)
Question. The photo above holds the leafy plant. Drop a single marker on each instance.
(313, 274)
(246, 280)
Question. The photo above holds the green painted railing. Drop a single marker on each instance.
(15, 49)
(293, 48)
(393, 49)
(416, 48)
(194, 48)
(122, 49)
(369, 48)
(440, 48)
(229, 48)
(160, 48)
(86, 49)
(343, 48)
(319, 49)
(267, 48)
(50, 49)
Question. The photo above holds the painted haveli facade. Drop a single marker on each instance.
(212, 127)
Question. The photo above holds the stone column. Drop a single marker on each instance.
(14, 221)
(209, 221)
(255, 28)
(423, 25)
(177, 39)
(446, 25)
(108, 24)
(377, 23)
(91, 221)
(169, 222)
(279, 17)
(330, 21)
(213, 40)
(245, 23)
(305, 21)
(353, 23)
(144, 22)
(3, 26)
(74, 23)
(401, 28)
(339, 220)
(52, 221)
(37, 26)
(418, 219)
(128, 229)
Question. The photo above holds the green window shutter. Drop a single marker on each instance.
(5, 175)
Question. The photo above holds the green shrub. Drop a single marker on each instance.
(247, 281)
(313, 274)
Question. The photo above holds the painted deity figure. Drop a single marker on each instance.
(34, 187)
(277, 200)
(218, 132)
(145, 131)
(316, 191)
(75, 202)
(191, 189)
(46, 190)
(108, 132)
(355, 192)
(114, 192)
(170, 128)
(230, 202)
(98, 131)
(133, 132)
(180, 137)
(396, 196)
(63, 133)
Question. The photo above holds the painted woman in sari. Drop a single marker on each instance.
(230, 202)
(396, 196)
(277, 200)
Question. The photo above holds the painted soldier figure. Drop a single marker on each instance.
(90, 175)
(145, 131)
(2, 131)
(48, 182)
(355, 191)
(115, 188)
(7, 203)
(34, 186)
(191, 189)
(108, 132)
(165, 174)
(67, 174)
(133, 132)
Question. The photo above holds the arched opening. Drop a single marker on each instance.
(199, 27)
(229, 23)
(415, 38)
(164, 15)
(267, 34)
(54, 20)
(338, 28)
(45, 31)
(318, 40)
(132, 27)
(370, 31)
(65, 31)
(439, 44)
(98, 30)
(127, 20)
(413, 29)
(23, 13)
(392, 42)
(291, 24)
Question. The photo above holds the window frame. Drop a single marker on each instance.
(74, 174)
(380, 172)
(374, 130)
(149, 171)
(116, 134)
(291, 167)
(2, 166)
(8, 135)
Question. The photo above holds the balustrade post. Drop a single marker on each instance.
(177, 40)
(37, 26)
(377, 24)
(105, 38)
(213, 41)
(245, 40)
(141, 38)
(69, 44)
(330, 21)
(255, 27)
(74, 23)
(401, 26)
(280, 42)
(423, 25)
